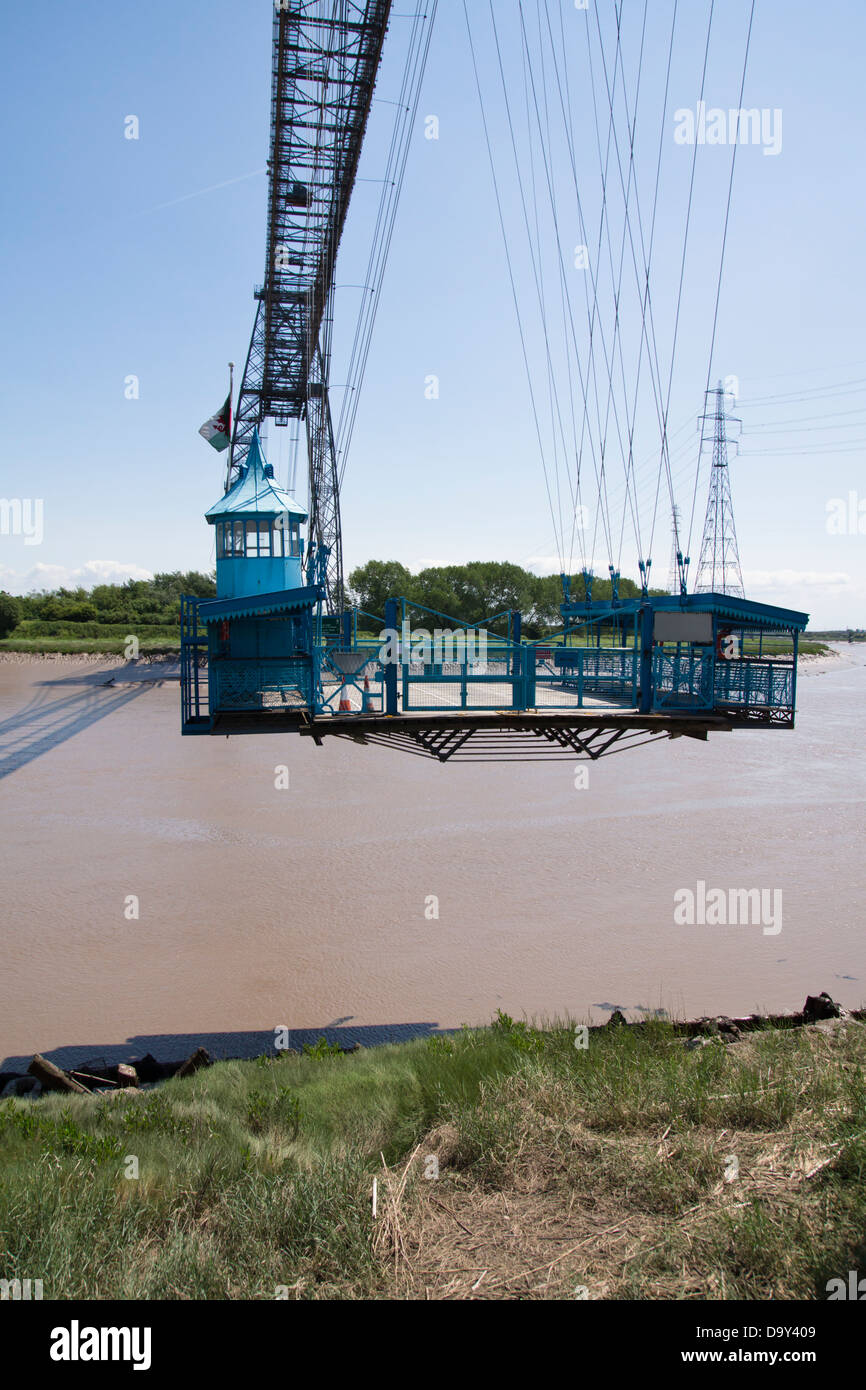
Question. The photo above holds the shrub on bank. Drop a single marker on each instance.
(10, 613)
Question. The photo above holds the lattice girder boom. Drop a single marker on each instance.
(326, 55)
(325, 528)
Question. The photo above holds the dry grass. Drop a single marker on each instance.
(507, 1165)
(564, 1209)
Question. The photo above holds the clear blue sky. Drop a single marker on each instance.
(125, 257)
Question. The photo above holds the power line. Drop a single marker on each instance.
(724, 246)
(510, 268)
(815, 393)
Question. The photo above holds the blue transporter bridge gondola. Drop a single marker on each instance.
(263, 656)
(260, 658)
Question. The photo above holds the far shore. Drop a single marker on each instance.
(89, 658)
(809, 663)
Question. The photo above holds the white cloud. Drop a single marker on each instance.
(543, 564)
(59, 576)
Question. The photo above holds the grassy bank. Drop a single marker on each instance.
(85, 646)
(608, 1168)
(170, 645)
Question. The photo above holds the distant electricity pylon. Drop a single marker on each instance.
(674, 573)
(719, 564)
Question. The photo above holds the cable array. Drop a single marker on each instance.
(577, 123)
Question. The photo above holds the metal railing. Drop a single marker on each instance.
(581, 675)
(348, 680)
(693, 678)
(520, 676)
(352, 676)
(263, 683)
(493, 680)
(194, 692)
(683, 679)
(755, 683)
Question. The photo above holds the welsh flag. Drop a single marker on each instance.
(218, 429)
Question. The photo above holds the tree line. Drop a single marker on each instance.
(135, 603)
(475, 591)
(468, 592)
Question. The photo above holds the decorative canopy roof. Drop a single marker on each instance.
(214, 610)
(254, 493)
(743, 609)
(727, 606)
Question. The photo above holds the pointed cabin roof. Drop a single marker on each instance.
(255, 494)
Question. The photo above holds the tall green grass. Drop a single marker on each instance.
(254, 1177)
(250, 1176)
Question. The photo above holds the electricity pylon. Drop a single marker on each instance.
(719, 564)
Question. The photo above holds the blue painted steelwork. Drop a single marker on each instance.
(596, 671)
(519, 676)
(258, 632)
(325, 60)
(261, 684)
(258, 605)
(194, 701)
(683, 680)
(335, 679)
(725, 605)
(715, 671)
(391, 705)
(495, 680)
(698, 655)
(645, 657)
(754, 684)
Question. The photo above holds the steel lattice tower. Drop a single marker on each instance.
(674, 572)
(326, 56)
(719, 564)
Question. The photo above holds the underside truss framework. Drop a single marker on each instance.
(508, 745)
(532, 736)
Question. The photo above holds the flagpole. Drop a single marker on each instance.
(230, 422)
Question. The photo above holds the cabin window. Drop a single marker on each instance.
(258, 539)
(230, 539)
(287, 535)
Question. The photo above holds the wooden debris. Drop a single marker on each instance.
(199, 1058)
(91, 1082)
(125, 1075)
(52, 1078)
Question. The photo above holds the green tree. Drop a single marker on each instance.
(473, 592)
(378, 580)
(154, 600)
(10, 613)
(78, 611)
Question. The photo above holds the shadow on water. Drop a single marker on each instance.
(170, 1047)
(45, 722)
(140, 672)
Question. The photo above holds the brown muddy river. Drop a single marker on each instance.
(313, 907)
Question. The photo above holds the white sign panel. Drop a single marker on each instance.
(683, 627)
